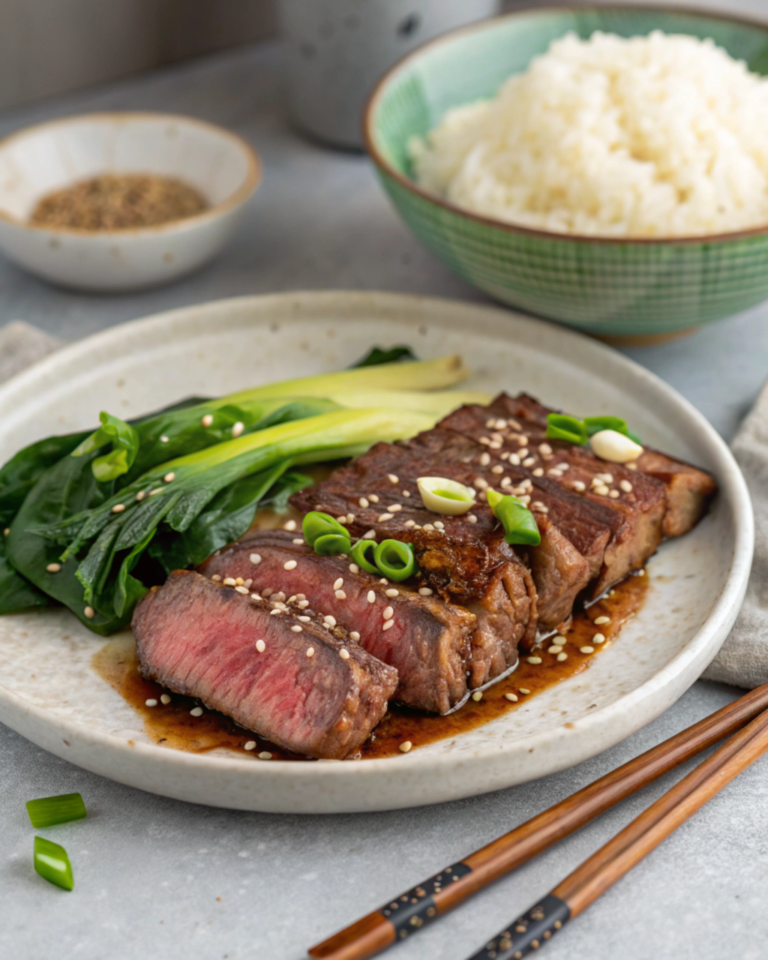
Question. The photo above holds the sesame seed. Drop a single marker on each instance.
(250, 745)
(384, 516)
(163, 439)
(511, 696)
(562, 657)
(169, 476)
(538, 472)
(497, 469)
(255, 558)
(587, 649)
(118, 508)
(605, 477)
(395, 508)
(165, 698)
(506, 482)
(331, 621)
(555, 648)
(472, 518)
(410, 523)
(298, 541)
(6, 531)
(89, 612)
(393, 478)
(529, 461)
(350, 518)
(563, 466)
(53, 567)
(290, 564)
(523, 690)
(614, 494)
(342, 518)
(598, 638)
(196, 711)
(150, 703)
(289, 525)
(344, 654)
(392, 592)
(514, 459)
(626, 486)
(296, 628)
(338, 584)
(363, 502)
(340, 595)
(428, 526)
(554, 472)
(533, 660)
(388, 624)
(485, 459)
(405, 746)
(477, 696)
(406, 493)
(302, 604)
(371, 597)
(373, 497)
(631, 466)
(265, 755)
(370, 535)
(354, 635)
(579, 486)
(538, 505)
(216, 577)
(388, 613)
(439, 525)
(239, 581)
(261, 646)
(545, 450)
(599, 621)
(230, 582)
(601, 490)
(274, 613)
(480, 483)
(155, 491)
(489, 424)
(523, 452)
(310, 651)
(425, 591)
(207, 420)
(238, 428)
(244, 590)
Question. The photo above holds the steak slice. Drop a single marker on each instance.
(631, 504)
(688, 489)
(465, 562)
(199, 639)
(428, 641)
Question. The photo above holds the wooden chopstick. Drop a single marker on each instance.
(582, 887)
(410, 911)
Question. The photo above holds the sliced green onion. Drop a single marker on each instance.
(519, 523)
(317, 524)
(359, 555)
(332, 544)
(52, 863)
(562, 427)
(596, 424)
(48, 811)
(395, 559)
(444, 496)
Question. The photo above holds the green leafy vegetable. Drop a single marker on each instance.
(48, 811)
(377, 356)
(124, 441)
(519, 523)
(52, 863)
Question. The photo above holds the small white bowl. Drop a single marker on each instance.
(47, 157)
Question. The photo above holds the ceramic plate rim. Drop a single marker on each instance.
(731, 480)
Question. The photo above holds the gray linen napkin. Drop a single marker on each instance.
(743, 660)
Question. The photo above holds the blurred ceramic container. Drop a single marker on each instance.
(41, 159)
(335, 51)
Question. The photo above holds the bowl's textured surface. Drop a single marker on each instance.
(44, 158)
(611, 287)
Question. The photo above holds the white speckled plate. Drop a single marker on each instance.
(50, 694)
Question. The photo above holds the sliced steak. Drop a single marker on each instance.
(426, 640)
(629, 503)
(688, 489)
(465, 562)
(200, 639)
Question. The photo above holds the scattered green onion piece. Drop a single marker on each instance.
(596, 424)
(48, 811)
(562, 427)
(332, 544)
(444, 496)
(519, 523)
(52, 863)
(359, 555)
(395, 560)
(316, 525)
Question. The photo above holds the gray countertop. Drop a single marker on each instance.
(159, 878)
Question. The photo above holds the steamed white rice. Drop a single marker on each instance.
(651, 136)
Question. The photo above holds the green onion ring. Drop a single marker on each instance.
(316, 524)
(519, 523)
(359, 555)
(395, 560)
(332, 544)
(562, 427)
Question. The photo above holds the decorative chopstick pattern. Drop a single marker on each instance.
(528, 932)
(377, 930)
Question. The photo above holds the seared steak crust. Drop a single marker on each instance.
(427, 641)
(199, 638)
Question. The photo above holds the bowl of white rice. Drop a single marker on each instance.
(605, 168)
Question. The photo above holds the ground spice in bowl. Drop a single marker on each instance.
(118, 202)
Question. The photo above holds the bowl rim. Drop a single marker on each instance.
(253, 176)
(372, 104)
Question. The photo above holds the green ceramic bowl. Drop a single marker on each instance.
(624, 288)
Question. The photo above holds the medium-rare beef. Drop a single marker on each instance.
(688, 489)
(426, 640)
(631, 504)
(305, 687)
(464, 559)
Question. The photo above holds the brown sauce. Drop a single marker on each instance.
(172, 725)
